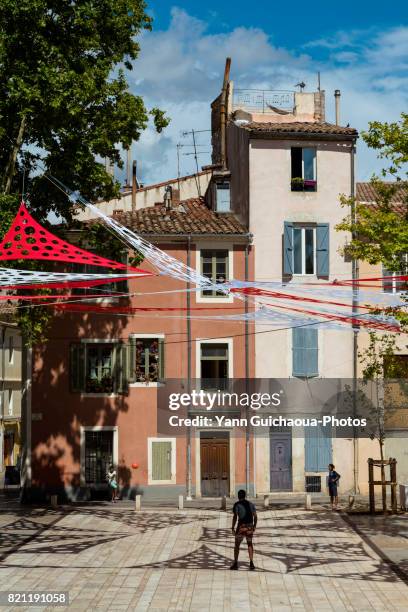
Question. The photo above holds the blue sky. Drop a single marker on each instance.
(359, 47)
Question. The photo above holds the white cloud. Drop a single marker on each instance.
(180, 70)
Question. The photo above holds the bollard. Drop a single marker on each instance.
(54, 501)
(351, 501)
(308, 502)
(138, 502)
(266, 501)
(180, 502)
(224, 502)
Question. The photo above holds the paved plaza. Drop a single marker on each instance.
(110, 557)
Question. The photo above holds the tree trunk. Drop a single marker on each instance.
(11, 163)
(383, 486)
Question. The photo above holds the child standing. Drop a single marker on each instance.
(112, 482)
(332, 481)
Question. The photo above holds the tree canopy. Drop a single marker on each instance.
(64, 98)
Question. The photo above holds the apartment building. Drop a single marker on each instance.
(10, 395)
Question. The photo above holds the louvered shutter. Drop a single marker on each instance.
(121, 368)
(287, 248)
(322, 249)
(77, 367)
(305, 352)
(161, 359)
(318, 448)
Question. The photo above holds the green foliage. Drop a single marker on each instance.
(64, 93)
(65, 105)
(391, 140)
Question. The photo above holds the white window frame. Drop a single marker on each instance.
(143, 336)
(393, 282)
(115, 447)
(228, 341)
(215, 246)
(303, 245)
(11, 349)
(173, 478)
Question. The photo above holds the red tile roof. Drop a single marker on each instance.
(365, 192)
(299, 127)
(190, 216)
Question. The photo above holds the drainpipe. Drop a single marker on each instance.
(223, 114)
(188, 298)
(355, 273)
(247, 432)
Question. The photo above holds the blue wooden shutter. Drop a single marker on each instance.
(305, 352)
(287, 248)
(318, 448)
(322, 249)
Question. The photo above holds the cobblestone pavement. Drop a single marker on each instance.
(113, 558)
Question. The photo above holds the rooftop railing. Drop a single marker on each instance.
(262, 101)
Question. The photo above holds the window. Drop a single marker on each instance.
(10, 402)
(393, 284)
(305, 352)
(11, 349)
(306, 249)
(146, 359)
(223, 197)
(98, 455)
(303, 163)
(98, 368)
(214, 265)
(214, 366)
(161, 460)
(318, 448)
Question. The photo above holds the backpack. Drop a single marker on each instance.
(245, 514)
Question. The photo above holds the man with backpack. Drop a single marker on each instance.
(245, 513)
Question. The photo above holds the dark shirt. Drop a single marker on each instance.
(245, 511)
(334, 478)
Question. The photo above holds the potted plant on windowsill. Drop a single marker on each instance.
(309, 185)
(297, 184)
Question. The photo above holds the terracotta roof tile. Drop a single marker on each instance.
(366, 193)
(299, 127)
(190, 216)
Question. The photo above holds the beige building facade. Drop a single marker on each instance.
(10, 394)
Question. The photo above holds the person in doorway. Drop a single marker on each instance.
(244, 512)
(332, 481)
(112, 482)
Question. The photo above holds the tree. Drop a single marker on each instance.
(64, 98)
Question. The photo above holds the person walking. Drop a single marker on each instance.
(112, 482)
(332, 481)
(245, 513)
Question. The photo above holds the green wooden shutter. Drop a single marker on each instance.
(132, 360)
(161, 358)
(77, 367)
(322, 249)
(121, 368)
(161, 460)
(305, 352)
(287, 248)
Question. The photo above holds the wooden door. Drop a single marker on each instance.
(280, 461)
(214, 466)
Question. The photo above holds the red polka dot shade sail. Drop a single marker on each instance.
(27, 239)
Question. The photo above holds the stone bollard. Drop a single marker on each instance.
(180, 502)
(266, 501)
(224, 502)
(138, 502)
(54, 501)
(351, 501)
(308, 502)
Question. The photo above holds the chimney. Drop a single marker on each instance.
(134, 185)
(337, 105)
(168, 197)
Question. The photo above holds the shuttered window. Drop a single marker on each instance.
(305, 352)
(318, 448)
(161, 458)
(223, 202)
(306, 249)
(100, 368)
(214, 266)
